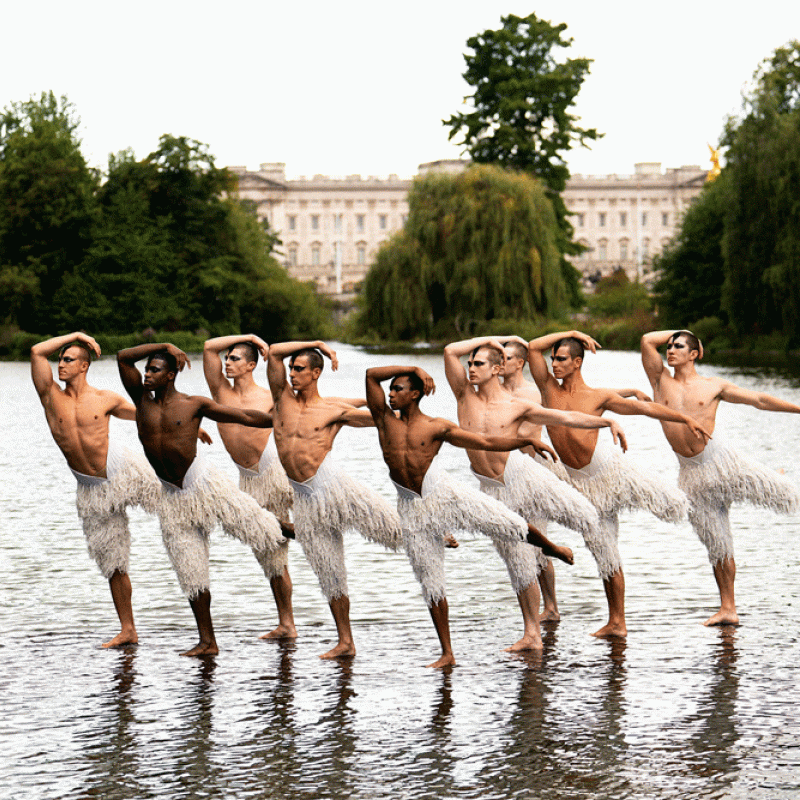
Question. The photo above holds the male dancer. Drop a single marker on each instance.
(712, 475)
(109, 478)
(430, 503)
(515, 356)
(327, 501)
(514, 478)
(603, 476)
(253, 451)
(195, 496)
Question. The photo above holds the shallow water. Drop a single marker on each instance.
(677, 711)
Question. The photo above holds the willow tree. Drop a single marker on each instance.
(477, 246)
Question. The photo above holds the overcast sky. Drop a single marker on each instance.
(361, 87)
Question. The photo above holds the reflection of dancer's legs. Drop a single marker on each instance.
(713, 480)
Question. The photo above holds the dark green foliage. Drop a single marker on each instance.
(692, 269)
(160, 244)
(761, 243)
(737, 257)
(47, 207)
(617, 296)
(520, 117)
(476, 246)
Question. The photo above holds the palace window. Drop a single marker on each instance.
(382, 219)
(292, 222)
(361, 255)
(665, 218)
(623, 250)
(623, 219)
(315, 251)
(601, 219)
(315, 222)
(360, 223)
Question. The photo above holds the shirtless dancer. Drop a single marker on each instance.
(515, 479)
(712, 475)
(109, 478)
(195, 496)
(515, 356)
(605, 477)
(253, 451)
(430, 503)
(327, 501)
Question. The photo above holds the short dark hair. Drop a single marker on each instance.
(493, 356)
(87, 352)
(416, 383)
(250, 350)
(315, 359)
(167, 358)
(518, 349)
(575, 346)
(691, 339)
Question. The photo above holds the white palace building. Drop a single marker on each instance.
(331, 227)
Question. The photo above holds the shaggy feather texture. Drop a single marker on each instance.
(189, 514)
(101, 504)
(327, 505)
(612, 484)
(718, 477)
(446, 506)
(270, 488)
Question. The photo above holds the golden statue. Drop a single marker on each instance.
(715, 167)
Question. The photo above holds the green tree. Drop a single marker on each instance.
(47, 207)
(761, 242)
(176, 251)
(521, 114)
(476, 246)
(692, 268)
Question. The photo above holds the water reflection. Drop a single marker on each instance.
(714, 725)
(193, 743)
(678, 711)
(112, 746)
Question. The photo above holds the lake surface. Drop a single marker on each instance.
(677, 711)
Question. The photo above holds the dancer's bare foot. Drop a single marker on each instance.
(450, 541)
(203, 649)
(123, 638)
(723, 617)
(281, 632)
(342, 650)
(549, 615)
(447, 660)
(612, 631)
(563, 554)
(527, 642)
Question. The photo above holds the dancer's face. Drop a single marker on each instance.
(72, 362)
(564, 364)
(678, 352)
(300, 373)
(401, 395)
(236, 363)
(512, 364)
(157, 375)
(480, 369)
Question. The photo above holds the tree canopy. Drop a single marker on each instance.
(476, 246)
(160, 243)
(738, 253)
(520, 115)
